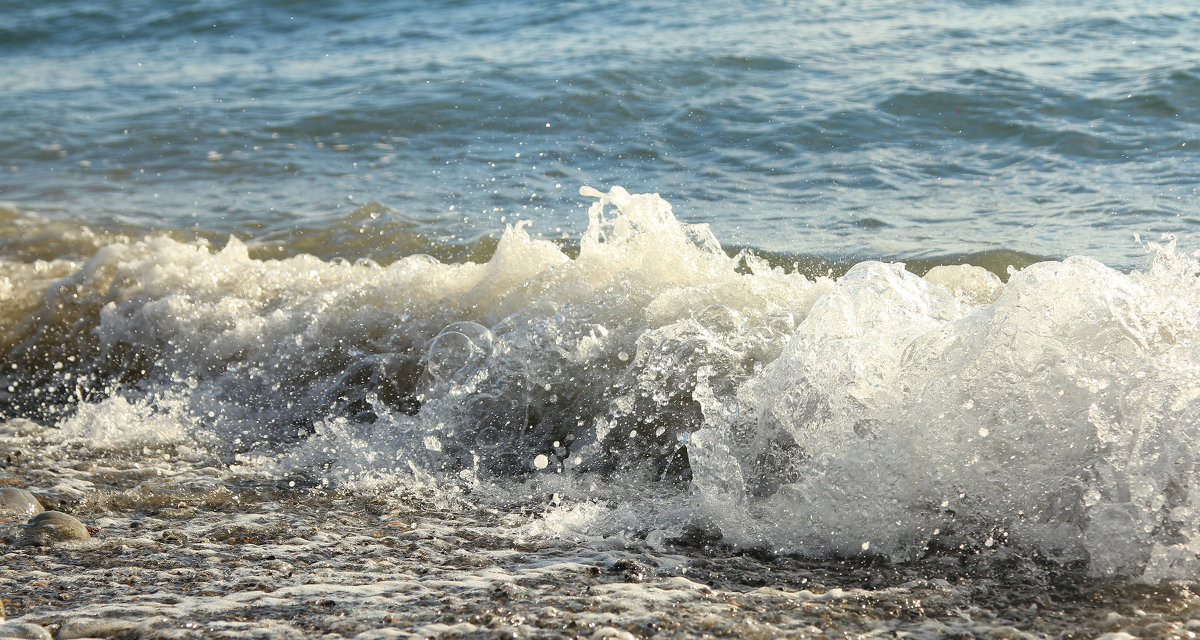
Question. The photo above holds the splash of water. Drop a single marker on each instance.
(877, 412)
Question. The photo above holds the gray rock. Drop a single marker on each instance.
(52, 527)
(18, 502)
(25, 630)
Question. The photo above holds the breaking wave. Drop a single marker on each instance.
(877, 412)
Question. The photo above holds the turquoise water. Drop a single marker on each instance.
(847, 130)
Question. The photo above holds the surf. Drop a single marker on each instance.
(876, 412)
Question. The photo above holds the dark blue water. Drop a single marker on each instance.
(847, 130)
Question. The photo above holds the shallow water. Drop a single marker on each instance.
(185, 550)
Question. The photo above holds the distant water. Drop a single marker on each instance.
(345, 244)
(848, 130)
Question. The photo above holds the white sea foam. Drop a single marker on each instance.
(879, 412)
(117, 422)
(1059, 417)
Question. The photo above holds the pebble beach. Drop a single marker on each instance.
(181, 551)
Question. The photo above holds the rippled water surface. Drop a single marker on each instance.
(850, 129)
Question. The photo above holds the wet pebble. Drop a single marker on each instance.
(97, 628)
(24, 630)
(173, 536)
(51, 527)
(612, 633)
(631, 570)
(510, 591)
(1007, 633)
(18, 502)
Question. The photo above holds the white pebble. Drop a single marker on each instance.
(24, 630)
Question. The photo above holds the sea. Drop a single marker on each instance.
(737, 319)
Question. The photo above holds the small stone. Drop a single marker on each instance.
(173, 536)
(51, 527)
(1006, 633)
(631, 570)
(97, 628)
(18, 502)
(24, 630)
(510, 591)
(612, 633)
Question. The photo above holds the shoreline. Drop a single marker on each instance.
(180, 555)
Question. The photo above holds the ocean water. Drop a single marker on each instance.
(865, 282)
